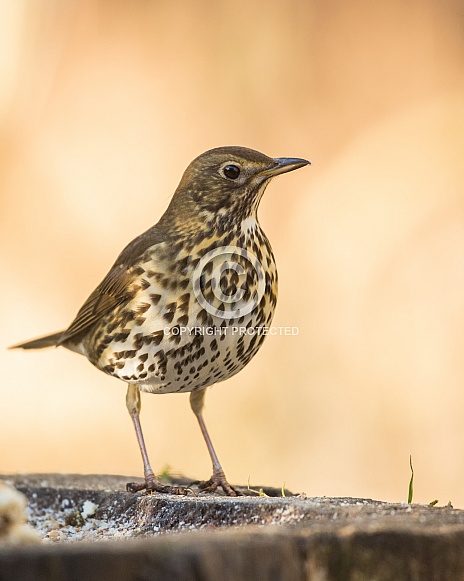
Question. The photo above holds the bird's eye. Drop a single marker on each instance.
(231, 171)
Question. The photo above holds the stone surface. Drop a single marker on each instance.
(243, 538)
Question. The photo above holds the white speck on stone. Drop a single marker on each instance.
(88, 509)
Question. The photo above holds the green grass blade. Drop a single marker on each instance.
(411, 482)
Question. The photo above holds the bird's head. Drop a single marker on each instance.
(225, 185)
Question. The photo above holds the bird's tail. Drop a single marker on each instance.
(41, 342)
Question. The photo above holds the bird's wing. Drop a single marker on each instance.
(114, 290)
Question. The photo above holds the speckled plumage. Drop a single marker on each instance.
(184, 303)
(143, 341)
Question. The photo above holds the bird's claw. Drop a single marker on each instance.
(218, 481)
(154, 485)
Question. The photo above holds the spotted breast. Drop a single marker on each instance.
(226, 292)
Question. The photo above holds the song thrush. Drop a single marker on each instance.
(186, 303)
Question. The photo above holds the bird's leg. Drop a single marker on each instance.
(133, 403)
(218, 479)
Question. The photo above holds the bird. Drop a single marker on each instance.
(186, 303)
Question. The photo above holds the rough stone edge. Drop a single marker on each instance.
(293, 553)
(149, 515)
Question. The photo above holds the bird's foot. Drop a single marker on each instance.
(152, 484)
(218, 480)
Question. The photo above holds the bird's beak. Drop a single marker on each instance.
(283, 165)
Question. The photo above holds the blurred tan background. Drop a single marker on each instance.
(102, 106)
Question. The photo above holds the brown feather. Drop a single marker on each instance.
(114, 290)
(111, 293)
(40, 343)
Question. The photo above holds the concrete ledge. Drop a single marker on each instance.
(243, 538)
